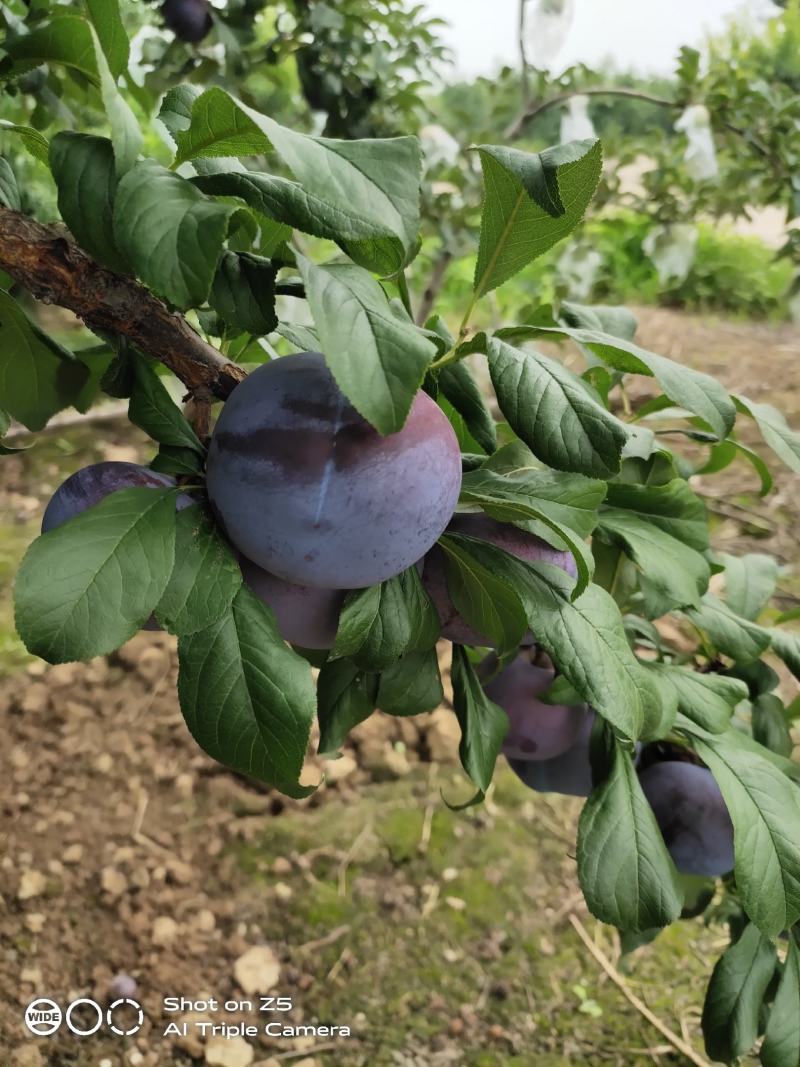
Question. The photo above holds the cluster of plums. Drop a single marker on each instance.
(316, 502)
(189, 20)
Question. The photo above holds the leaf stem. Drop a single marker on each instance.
(405, 296)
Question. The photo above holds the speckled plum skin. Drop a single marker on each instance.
(189, 20)
(503, 535)
(306, 616)
(691, 815)
(310, 492)
(90, 485)
(569, 774)
(536, 731)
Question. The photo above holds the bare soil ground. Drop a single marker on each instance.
(438, 937)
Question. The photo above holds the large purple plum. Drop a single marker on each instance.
(312, 493)
(306, 615)
(511, 539)
(89, 485)
(189, 20)
(691, 815)
(537, 731)
(570, 773)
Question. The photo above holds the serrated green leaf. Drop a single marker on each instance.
(550, 409)
(707, 699)
(483, 724)
(362, 194)
(243, 293)
(377, 360)
(105, 16)
(83, 589)
(673, 507)
(35, 143)
(65, 40)
(126, 135)
(84, 172)
(781, 1047)
(781, 438)
(738, 638)
(735, 994)
(488, 604)
(532, 201)
(769, 724)
(786, 646)
(173, 459)
(412, 685)
(618, 321)
(626, 874)
(346, 697)
(765, 810)
(457, 384)
(247, 698)
(171, 233)
(37, 376)
(152, 409)
(205, 579)
(9, 193)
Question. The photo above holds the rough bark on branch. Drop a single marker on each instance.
(48, 263)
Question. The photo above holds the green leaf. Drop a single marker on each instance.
(362, 194)
(176, 108)
(724, 453)
(550, 409)
(346, 697)
(412, 685)
(34, 142)
(487, 603)
(377, 360)
(763, 804)
(125, 133)
(618, 321)
(515, 500)
(750, 581)
(247, 698)
(781, 438)
(152, 409)
(37, 376)
(692, 389)
(9, 193)
(678, 574)
(85, 588)
(738, 638)
(735, 994)
(379, 624)
(769, 724)
(483, 724)
(64, 39)
(672, 507)
(584, 637)
(243, 293)
(205, 579)
(624, 869)
(786, 646)
(172, 459)
(460, 388)
(105, 16)
(532, 201)
(707, 699)
(83, 168)
(171, 233)
(781, 1047)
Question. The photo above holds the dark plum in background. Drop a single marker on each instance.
(189, 20)
(569, 774)
(90, 485)
(310, 492)
(511, 539)
(536, 731)
(691, 815)
(306, 616)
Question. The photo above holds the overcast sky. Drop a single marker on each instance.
(640, 34)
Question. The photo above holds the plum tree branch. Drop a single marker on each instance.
(48, 263)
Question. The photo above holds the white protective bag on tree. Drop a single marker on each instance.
(545, 28)
(575, 122)
(700, 156)
(672, 250)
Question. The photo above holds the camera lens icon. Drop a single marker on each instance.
(43, 1017)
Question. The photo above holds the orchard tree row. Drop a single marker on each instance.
(342, 495)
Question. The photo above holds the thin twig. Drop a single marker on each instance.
(433, 287)
(348, 857)
(610, 970)
(328, 939)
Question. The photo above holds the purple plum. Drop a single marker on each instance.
(189, 20)
(569, 774)
(537, 731)
(691, 815)
(307, 616)
(511, 539)
(308, 490)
